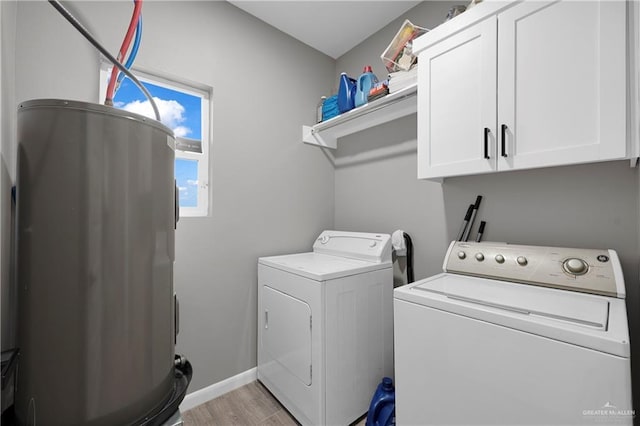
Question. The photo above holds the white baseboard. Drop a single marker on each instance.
(203, 395)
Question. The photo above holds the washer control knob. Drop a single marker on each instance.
(575, 266)
(499, 258)
(372, 244)
(324, 239)
(479, 257)
(522, 261)
(462, 255)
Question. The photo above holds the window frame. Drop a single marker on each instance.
(193, 89)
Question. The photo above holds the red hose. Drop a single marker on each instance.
(137, 9)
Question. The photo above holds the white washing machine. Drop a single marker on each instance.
(514, 335)
(325, 326)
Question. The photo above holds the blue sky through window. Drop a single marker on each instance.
(187, 178)
(179, 111)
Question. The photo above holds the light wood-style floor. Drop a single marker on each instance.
(249, 405)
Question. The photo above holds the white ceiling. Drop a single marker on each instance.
(332, 27)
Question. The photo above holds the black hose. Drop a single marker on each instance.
(409, 244)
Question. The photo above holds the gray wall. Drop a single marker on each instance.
(383, 194)
(270, 194)
(591, 206)
(380, 192)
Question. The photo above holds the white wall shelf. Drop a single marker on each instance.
(383, 110)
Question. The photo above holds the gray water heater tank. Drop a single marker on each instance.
(95, 249)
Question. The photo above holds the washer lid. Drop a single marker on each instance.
(592, 321)
(321, 267)
(577, 309)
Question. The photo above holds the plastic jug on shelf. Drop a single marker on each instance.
(382, 411)
(365, 83)
(346, 93)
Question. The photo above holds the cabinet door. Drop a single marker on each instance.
(561, 83)
(456, 102)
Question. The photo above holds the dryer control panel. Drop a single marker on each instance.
(355, 245)
(586, 270)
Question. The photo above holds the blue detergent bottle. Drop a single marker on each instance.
(365, 82)
(346, 93)
(382, 411)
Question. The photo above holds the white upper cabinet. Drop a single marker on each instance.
(457, 103)
(529, 84)
(562, 83)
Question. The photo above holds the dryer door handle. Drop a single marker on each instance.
(266, 318)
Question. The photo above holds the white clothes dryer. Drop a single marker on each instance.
(514, 335)
(325, 326)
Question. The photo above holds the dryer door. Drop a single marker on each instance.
(287, 332)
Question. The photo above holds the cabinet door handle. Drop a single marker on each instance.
(504, 140)
(486, 143)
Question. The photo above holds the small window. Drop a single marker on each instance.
(184, 108)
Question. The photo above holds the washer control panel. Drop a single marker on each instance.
(585, 270)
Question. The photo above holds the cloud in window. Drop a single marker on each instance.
(181, 131)
(171, 113)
